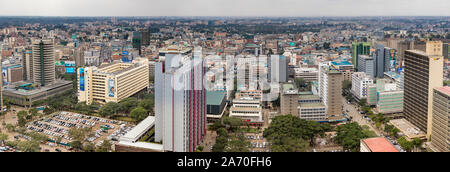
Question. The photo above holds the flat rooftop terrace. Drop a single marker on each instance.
(407, 128)
(12, 88)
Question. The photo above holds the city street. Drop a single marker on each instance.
(353, 112)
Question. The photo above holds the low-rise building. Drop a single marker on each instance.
(313, 111)
(248, 110)
(308, 74)
(377, 144)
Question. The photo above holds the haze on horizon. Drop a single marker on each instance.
(224, 8)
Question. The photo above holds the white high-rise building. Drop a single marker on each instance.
(360, 83)
(180, 103)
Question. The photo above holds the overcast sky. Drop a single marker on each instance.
(225, 7)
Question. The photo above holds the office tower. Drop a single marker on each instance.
(112, 82)
(137, 41)
(43, 61)
(277, 68)
(27, 64)
(180, 103)
(345, 68)
(331, 92)
(379, 61)
(359, 48)
(78, 55)
(440, 136)
(446, 51)
(360, 83)
(289, 100)
(385, 60)
(390, 59)
(366, 64)
(423, 73)
(145, 37)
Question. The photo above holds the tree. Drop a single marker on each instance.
(405, 144)
(147, 104)
(10, 127)
(88, 147)
(363, 102)
(349, 136)
(105, 146)
(3, 138)
(28, 146)
(76, 144)
(299, 82)
(238, 144)
(33, 111)
(109, 109)
(139, 114)
(38, 137)
(290, 144)
(232, 123)
(287, 132)
(82, 108)
(126, 105)
(200, 148)
(79, 136)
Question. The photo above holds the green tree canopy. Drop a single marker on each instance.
(128, 104)
(109, 109)
(285, 130)
(349, 136)
(139, 114)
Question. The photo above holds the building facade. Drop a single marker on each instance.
(359, 48)
(440, 135)
(43, 61)
(360, 83)
(331, 92)
(180, 103)
(366, 64)
(423, 73)
(112, 82)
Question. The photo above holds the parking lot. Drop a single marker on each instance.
(58, 124)
(258, 143)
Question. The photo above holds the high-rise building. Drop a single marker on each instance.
(27, 64)
(331, 92)
(380, 61)
(345, 68)
(43, 61)
(359, 48)
(441, 120)
(289, 100)
(366, 64)
(423, 73)
(277, 68)
(112, 82)
(180, 102)
(360, 83)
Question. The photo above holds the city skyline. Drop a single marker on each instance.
(282, 8)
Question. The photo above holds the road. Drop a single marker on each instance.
(353, 112)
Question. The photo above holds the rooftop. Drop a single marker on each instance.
(139, 130)
(214, 97)
(312, 105)
(445, 90)
(408, 128)
(12, 88)
(379, 144)
(342, 63)
(308, 96)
